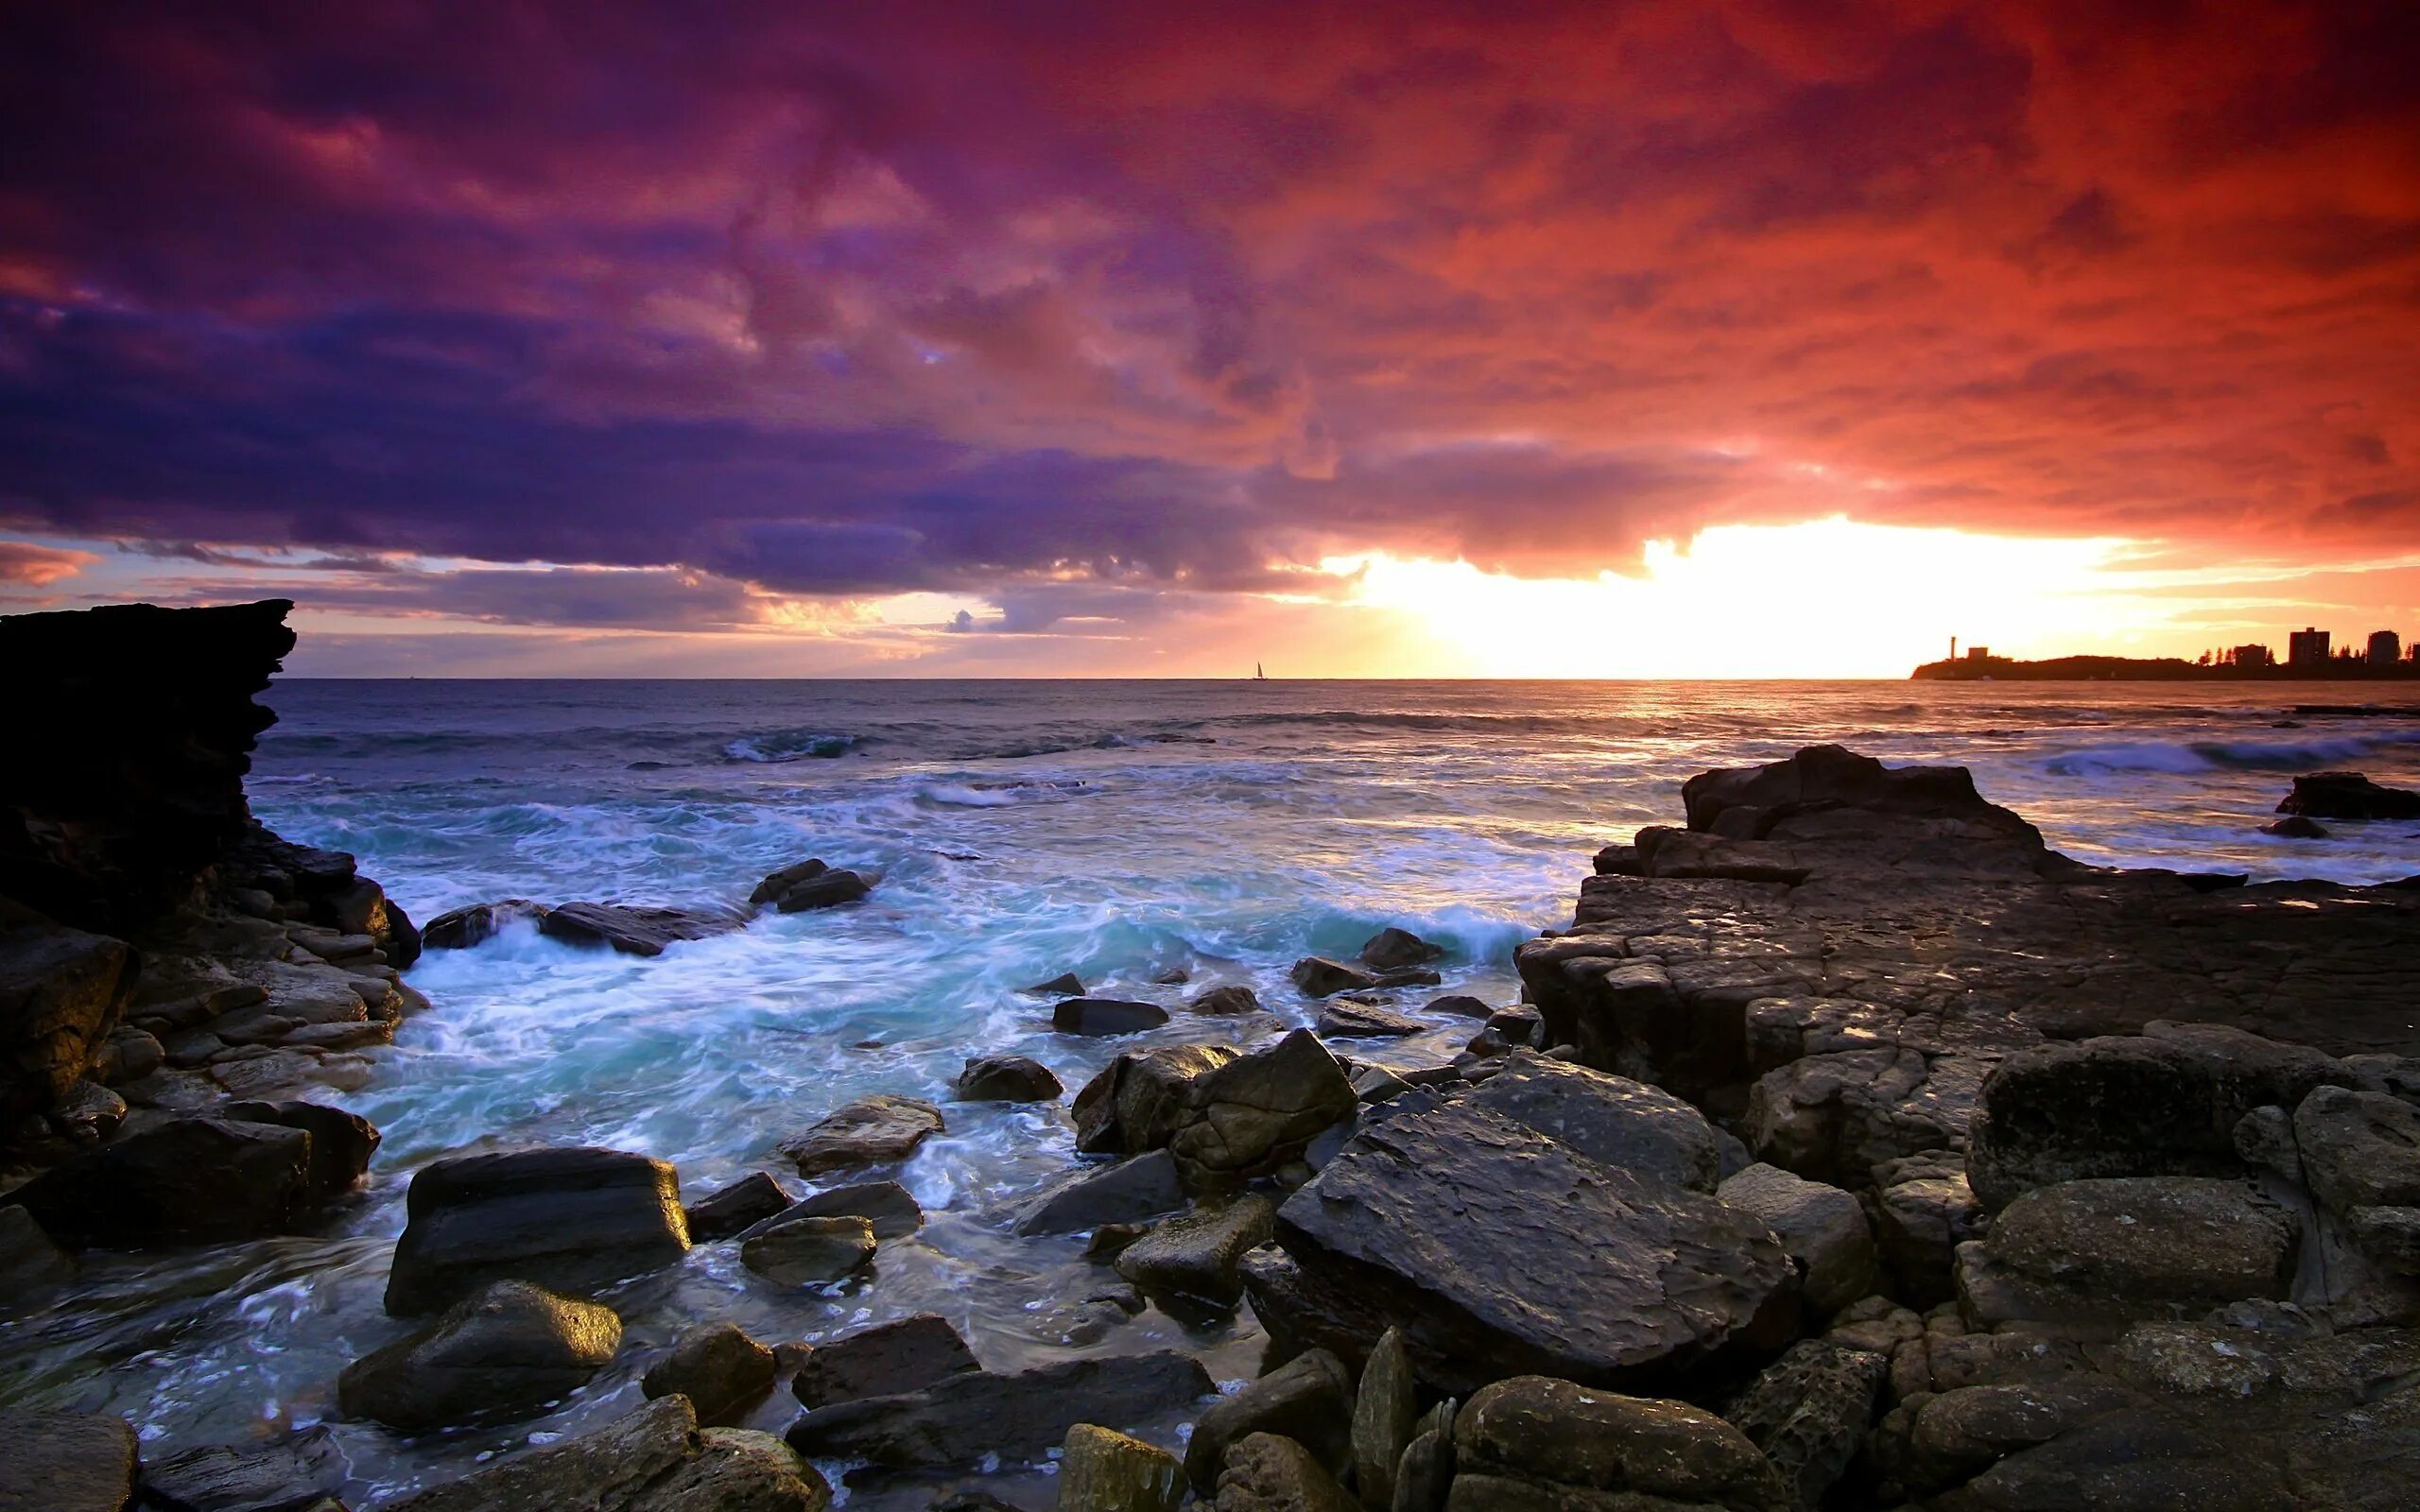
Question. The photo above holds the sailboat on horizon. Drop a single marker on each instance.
(1257, 674)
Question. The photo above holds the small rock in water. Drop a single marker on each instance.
(809, 1251)
(1006, 1080)
(633, 931)
(1318, 977)
(743, 1204)
(1308, 1400)
(1065, 985)
(1173, 976)
(1128, 1192)
(1106, 1016)
(466, 927)
(717, 1366)
(870, 1131)
(903, 1355)
(1392, 950)
(2296, 827)
(887, 1205)
(1102, 1470)
(830, 890)
(1197, 1255)
(778, 882)
(2349, 796)
(1461, 1007)
(505, 1352)
(1344, 1020)
(1232, 998)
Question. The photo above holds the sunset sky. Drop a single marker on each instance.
(1623, 340)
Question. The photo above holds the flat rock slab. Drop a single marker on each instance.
(1106, 1016)
(572, 1219)
(964, 1418)
(1343, 1019)
(635, 931)
(1499, 1251)
(887, 1360)
(1129, 1192)
(1642, 1129)
(870, 1132)
(189, 1180)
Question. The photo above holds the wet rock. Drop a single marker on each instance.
(1343, 1020)
(1392, 950)
(2349, 796)
(1128, 1192)
(1317, 976)
(1519, 1024)
(2296, 827)
(888, 1360)
(1105, 1016)
(89, 1113)
(2128, 1247)
(281, 1476)
(2358, 1149)
(1642, 1129)
(829, 889)
(807, 1252)
(1625, 1015)
(1101, 1470)
(1833, 1117)
(1196, 1255)
(734, 1209)
(1307, 1399)
(341, 1143)
(654, 1460)
(870, 1132)
(1821, 1227)
(1539, 1430)
(1065, 985)
(61, 991)
(506, 1353)
(66, 1461)
(1376, 1084)
(964, 1418)
(1264, 1473)
(1173, 976)
(717, 1366)
(1260, 1110)
(887, 1205)
(2163, 1103)
(778, 882)
(1142, 1098)
(465, 927)
(2129, 1459)
(1231, 999)
(1386, 1417)
(128, 1055)
(633, 931)
(1461, 1007)
(1496, 1249)
(1810, 1412)
(1006, 1080)
(29, 1262)
(572, 1219)
(188, 1180)
(1424, 1475)
(1923, 1209)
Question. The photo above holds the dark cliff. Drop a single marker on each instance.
(135, 728)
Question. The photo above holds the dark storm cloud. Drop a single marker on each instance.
(998, 299)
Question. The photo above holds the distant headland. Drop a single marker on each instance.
(2309, 659)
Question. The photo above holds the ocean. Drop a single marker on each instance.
(1020, 830)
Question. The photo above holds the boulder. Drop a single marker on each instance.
(507, 1352)
(195, 1180)
(874, 1130)
(891, 1358)
(1818, 782)
(1496, 1249)
(732, 1210)
(2296, 827)
(1266, 1472)
(569, 1218)
(1006, 1080)
(1809, 1412)
(1308, 1400)
(2358, 1149)
(1538, 1430)
(1105, 1016)
(963, 1417)
(1386, 1419)
(341, 1143)
(1392, 950)
(29, 1262)
(1142, 1098)
(1101, 1471)
(1821, 1227)
(654, 1460)
(1128, 1192)
(1256, 1113)
(778, 882)
(829, 890)
(2349, 796)
(62, 993)
(887, 1205)
(1317, 976)
(66, 1461)
(809, 1251)
(1196, 1254)
(1638, 1128)
(717, 1366)
(1343, 1019)
(1461, 1006)
(2128, 1247)
(1065, 985)
(2163, 1103)
(1424, 1475)
(1519, 1024)
(1231, 999)
(462, 928)
(282, 1475)
(633, 931)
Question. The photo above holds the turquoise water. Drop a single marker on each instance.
(1020, 830)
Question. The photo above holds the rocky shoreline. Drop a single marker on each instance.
(1849, 1148)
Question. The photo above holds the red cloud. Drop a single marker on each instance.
(23, 563)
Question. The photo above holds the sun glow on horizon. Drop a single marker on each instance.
(1829, 599)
